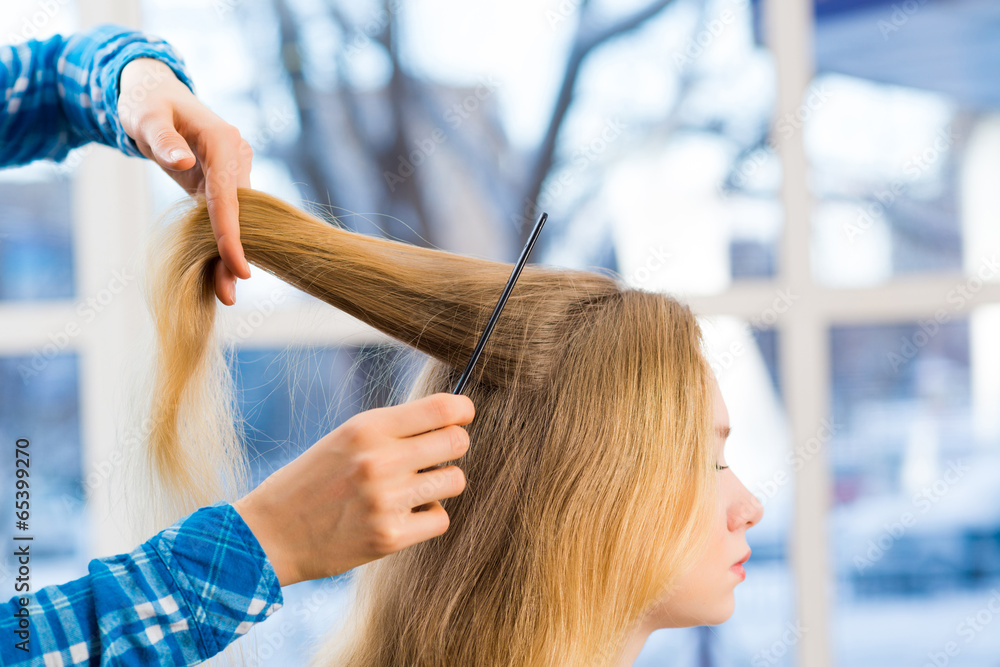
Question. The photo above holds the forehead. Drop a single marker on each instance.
(718, 403)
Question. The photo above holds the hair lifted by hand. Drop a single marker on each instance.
(591, 472)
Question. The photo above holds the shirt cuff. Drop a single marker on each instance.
(222, 572)
(114, 47)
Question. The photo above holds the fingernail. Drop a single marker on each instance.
(232, 294)
(246, 265)
(179, 154)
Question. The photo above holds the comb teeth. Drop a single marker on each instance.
(462, 381)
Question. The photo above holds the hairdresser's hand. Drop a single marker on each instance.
(196, 148)
(349, 498)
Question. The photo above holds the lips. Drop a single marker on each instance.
(737, 568)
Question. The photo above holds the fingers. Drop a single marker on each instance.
(225, 284)
(385, 435)
(421, 526)
(169, 149)
(430, 449)
(426, 414)
(435, 485)
(226, 163)
(196, 147)
(375, 503)
(229, 242)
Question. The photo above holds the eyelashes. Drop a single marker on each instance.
(720, 468)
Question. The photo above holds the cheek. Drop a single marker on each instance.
(704, 594)
(702, 597)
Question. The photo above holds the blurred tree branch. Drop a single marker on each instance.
(404, 104)
(586, 41)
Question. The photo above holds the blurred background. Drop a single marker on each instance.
(818, 179)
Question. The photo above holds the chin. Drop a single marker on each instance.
(703, 614)
(717, 614)
(692, 611)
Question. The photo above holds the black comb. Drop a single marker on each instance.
(462, 381)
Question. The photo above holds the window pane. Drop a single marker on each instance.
(40, 403)
(36, 238)
(903, 144)
(915, 527)
(291, 398)
(696, 207)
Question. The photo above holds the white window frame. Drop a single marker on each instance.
(112, 212)
(803, 337)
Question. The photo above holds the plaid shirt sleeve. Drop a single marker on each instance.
(178, 599)
(63, 92)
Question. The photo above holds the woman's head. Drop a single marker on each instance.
(592, 482)
(703, 595)
(586, 496)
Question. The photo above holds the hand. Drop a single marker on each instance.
(167, 121)
(350, 498)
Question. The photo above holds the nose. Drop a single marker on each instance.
(745, 510)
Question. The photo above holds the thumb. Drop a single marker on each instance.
(170, 150)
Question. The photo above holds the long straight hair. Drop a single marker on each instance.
(590, 473)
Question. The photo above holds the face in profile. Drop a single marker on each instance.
(704, 594)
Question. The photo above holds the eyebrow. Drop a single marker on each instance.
(722, 431)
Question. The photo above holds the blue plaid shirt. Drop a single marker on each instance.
(63, 92)
(194, 588)
(177, 599)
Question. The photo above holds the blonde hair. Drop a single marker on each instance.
(590, 472)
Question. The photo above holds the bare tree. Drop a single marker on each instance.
(378, 131)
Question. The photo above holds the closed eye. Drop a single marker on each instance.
(722, 431)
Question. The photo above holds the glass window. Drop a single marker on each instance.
(36, 236)
(692, 201)
(915, 527)
(39, 403)
(663, 169)
(903, 144)
(40, 378)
